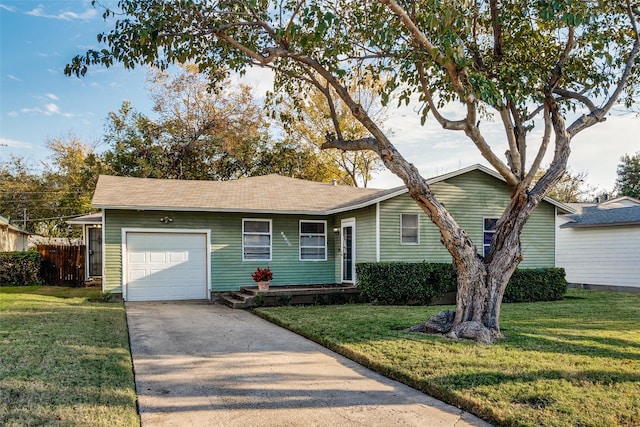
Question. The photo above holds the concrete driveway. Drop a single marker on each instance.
(205, 364)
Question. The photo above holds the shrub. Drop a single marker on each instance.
(536, 284)
(19, 268)
(402, 283)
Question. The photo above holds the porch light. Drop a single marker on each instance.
(166, 219)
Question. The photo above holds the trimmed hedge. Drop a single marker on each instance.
(536, 284)
(402, 283)
(19, 268)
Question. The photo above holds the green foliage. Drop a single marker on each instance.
(259, 300)
(283, 299)
(48, 197)
(571, 188)
(403, 283)
(628, 182)
(536, 284)
(19, 268)
(563, 363)
(514, 68)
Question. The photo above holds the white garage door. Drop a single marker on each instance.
(166, 266)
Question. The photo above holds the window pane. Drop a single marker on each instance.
(312, 253)
(487, 238)
(257, 239)
(409, 220)
(254, 253)
(490, 224)
(409, 228)
(410, 235)
(312, 241)
(312, 227)
(256, 226)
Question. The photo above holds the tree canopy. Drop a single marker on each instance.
(513, 62)
(42, 198)
(628, 182)
(571, 188)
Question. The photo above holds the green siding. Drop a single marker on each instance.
(228, 271)
(469, 198)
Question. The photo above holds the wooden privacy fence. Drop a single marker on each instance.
(62, 265)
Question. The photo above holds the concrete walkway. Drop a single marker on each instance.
(208, 365)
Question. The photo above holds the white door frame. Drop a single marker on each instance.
(346, 223)
(207, 232)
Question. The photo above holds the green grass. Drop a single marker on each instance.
(64, 360)
(574, 362)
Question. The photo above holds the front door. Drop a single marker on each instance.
(348, 238)
(95, 251)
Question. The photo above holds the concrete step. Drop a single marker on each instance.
(237, 300)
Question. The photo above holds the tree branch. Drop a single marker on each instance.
(419, 37)
(585, 121)
(521, 136)
(445, 123)
(546, 138)
(368, 143)
(513, 156)
(578, 97)
(556, 73)
(497, 30)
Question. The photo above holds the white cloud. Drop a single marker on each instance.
(7, 8)
(65, 16)
(14, 143)
(12, 77)
(51, 96)
(51, 109)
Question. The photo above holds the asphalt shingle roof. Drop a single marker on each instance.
(269, 193)
(602, 215)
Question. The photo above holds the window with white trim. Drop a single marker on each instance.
(313, 240)
(409, 229)
(256, 240)
(488, 230)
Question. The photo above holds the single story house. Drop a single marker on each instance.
(599, 244)
(12, 238)
(173, 239)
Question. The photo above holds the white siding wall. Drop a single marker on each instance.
(599, 256)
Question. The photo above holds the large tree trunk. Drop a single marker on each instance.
(482, 282)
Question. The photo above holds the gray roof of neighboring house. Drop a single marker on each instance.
(260, 194)
(616, 212)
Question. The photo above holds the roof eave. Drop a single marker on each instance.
(217, 210)
(360, 205)
(599, 225)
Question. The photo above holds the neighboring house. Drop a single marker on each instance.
(92, 239)
(12, 238)
(172, 239)
(599, 245)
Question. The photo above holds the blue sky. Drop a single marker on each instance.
(38, 102)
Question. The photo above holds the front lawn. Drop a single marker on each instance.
(63, 359)
(574, 362)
